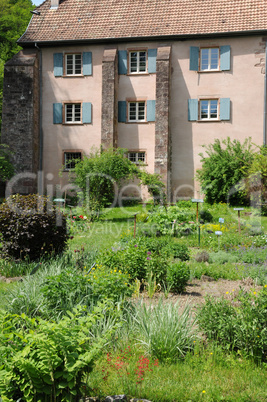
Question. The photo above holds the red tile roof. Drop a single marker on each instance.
(117, 19)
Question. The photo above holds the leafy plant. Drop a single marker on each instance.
(6, 167)
(155, 186)
(178, 275)
(223, 167)
(23, 218)
(43, 360)
(240, 326)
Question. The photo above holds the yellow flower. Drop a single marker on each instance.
(203, 392)
(233, 290)
(255, 293)
(211, 353)
(227, 293)
(265, 286)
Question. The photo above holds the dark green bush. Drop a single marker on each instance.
(177, 276)
(180, 251)
(31, 227)
(205, 216)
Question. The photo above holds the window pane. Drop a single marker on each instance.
(204, 107)
(141, 111)
(213, 109)
(142, 61)
(69, 62)
(132, 156)
(69, 112)
(204, 59)
(141, 156)
(77, 111)
(133, 62)
(132, 111)
(78, 63)
(214, 58)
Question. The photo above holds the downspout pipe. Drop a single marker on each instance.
(40, 167)
(265, 99)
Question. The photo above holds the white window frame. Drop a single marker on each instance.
(209, 59)
(137, 161)
(138, 71)
(73, 55)
(136, 119)
(209, 118)
(66, 109)
(66, 160)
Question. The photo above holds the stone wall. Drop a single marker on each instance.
(109, 116)
(162, 129)
(20, 118)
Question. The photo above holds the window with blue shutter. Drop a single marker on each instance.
(58, 64)
(122, 111)
(57, 113)
(210, 59)
(151, 110)
(87, 63)
(122, 61)
(194, 57)
(225, 106)
(152, 60)
(225, 58)
(87, 112)
(192, 109)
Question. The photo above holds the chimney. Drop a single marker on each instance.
(54, 4)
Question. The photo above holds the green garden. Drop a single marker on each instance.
(99, 301)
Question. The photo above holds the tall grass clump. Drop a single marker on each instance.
(164, 330)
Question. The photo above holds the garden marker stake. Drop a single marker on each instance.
(198, 227)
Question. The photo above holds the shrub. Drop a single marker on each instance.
(178, 274)
(180, 251)
(205, 216)
(46, 361)
(6, 167)
(224, 166)
(221, 257)
(240, 326)
(30, 227)
(109, 283)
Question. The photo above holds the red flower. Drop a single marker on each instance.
(81, 216)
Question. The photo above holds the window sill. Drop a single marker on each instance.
(209, 121)
(210, 71)
(73, 76)
(73, 124)
(137, 74)
(137, 122)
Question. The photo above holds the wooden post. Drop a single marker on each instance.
(134, 225)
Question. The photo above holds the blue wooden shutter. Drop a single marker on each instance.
(194, 58)
(225, 108)
(152, 60)
(58, 64)
(192, 109)
(122, 111)
(87, 63)
(57, 113)
(87, 112)
(225, 58)
(122, 60)
(151, 110)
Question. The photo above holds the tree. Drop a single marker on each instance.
(224, 166)
(101, 173)
(256, 181)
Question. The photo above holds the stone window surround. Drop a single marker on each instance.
(68, 151)
(136, 100)
(64, 112)
(137, 151)
(129, 51)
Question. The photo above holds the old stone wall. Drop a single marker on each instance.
(109, 99)
(162, 129)
(20, 118)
